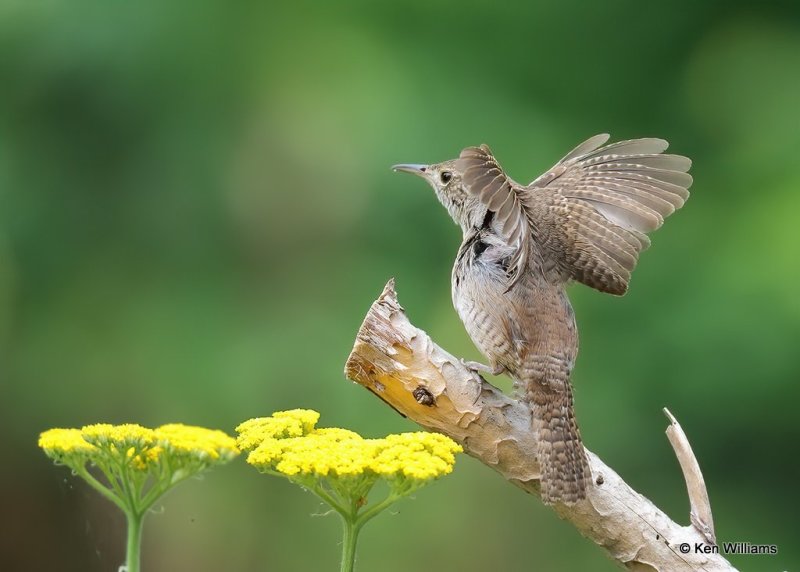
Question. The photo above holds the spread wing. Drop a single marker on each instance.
(591, 210)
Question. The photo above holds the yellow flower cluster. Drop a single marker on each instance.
(65, 442)
(118, 436)
(419, 455)
(128, 444)
(289, 444)
(138, 447)
(282, 424)
(196, 442)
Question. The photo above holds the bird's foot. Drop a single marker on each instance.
(478, 367)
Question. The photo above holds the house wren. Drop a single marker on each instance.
(585, 219)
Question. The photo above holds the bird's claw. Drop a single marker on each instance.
(479, 368)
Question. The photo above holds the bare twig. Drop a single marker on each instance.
(400, 364)
(700, 513)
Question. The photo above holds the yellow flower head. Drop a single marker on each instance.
(306, 417)
(121, 437)
(339, 453)
(418, 456)
(322, 453)
(196, 442)
(282, 425)
(60, 443)
(129, 444)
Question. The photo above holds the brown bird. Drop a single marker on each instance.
(585, 219)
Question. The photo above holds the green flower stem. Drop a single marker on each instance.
(132, 515)
(99, 487)
(134, 548)
(318, 490)
(351, 530)
(352, 523)
(111, 477)
(375, 510)
(151, 496)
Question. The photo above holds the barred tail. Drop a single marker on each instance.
(565, 469)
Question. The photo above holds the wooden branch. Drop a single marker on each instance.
(400, 364)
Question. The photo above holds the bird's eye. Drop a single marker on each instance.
(445, 176)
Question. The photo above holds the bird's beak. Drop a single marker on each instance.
(419, 170)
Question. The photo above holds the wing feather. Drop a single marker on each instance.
(586, 147)
(663, 162)
(483, 177)
(666, 192)
(646, 146)
(654, 201)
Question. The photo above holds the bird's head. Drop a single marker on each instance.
(466, 210)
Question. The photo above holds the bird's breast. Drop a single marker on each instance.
(534, 317)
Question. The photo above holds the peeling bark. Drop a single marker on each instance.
(400, 364)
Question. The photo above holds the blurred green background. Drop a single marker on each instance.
(196, 211)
